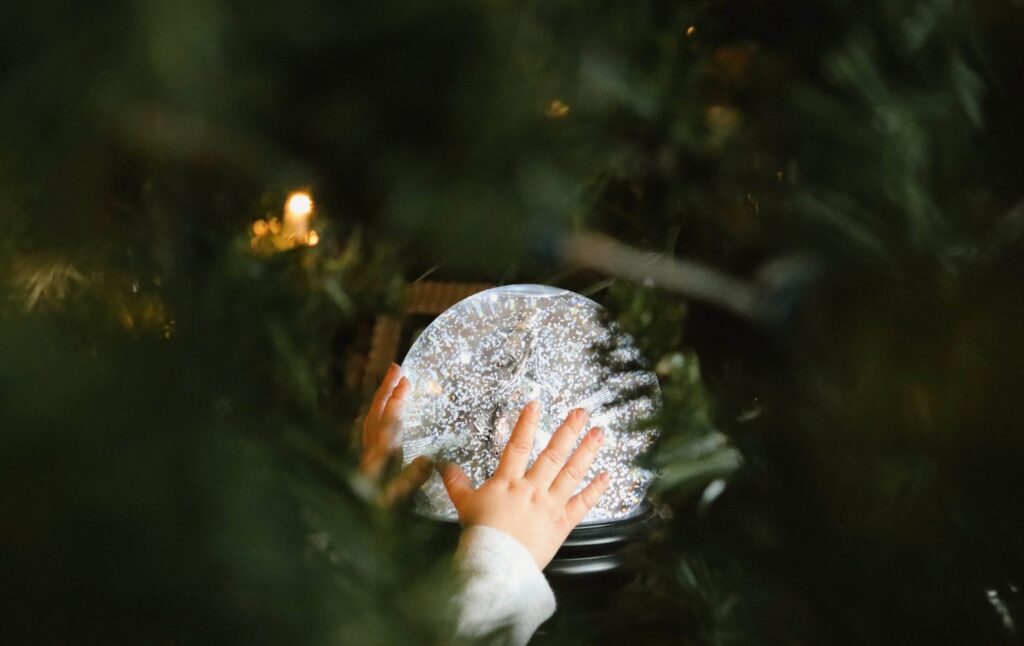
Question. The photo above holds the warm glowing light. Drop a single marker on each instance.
(557, 109)
(297, 211)
(299, 204)
(274, 234)
(691, 30)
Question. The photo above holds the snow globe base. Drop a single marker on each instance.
(593, 554)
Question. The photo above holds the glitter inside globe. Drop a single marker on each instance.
(475, 367)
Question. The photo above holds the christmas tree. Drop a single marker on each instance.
(808, 215)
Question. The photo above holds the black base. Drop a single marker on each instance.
(591, 553)
(601, 549)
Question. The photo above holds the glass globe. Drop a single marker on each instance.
(475, 367)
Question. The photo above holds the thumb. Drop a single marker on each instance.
(455, 481)
(410, 479)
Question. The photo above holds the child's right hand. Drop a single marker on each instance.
(537, 508)
(380, 437)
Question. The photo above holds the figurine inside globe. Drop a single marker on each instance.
(474, 368)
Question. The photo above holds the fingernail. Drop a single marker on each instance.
(533, 405)
(598, 433)
(604, 477)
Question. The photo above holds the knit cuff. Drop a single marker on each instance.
(502, 586)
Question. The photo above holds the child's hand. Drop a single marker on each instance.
(538, 508)
(379, 438)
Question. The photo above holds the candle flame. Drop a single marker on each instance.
(273, 234)
(299, 204)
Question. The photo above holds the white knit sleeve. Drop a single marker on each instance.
(502, 586)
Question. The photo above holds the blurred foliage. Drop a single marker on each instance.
(176, 409)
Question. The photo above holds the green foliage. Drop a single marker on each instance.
(175, 410)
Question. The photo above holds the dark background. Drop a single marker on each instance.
(176, 401)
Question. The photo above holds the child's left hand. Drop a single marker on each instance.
(380, 431)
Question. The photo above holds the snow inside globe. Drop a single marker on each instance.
(476, 365)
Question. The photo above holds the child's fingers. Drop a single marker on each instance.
(393, 409)
(456, 482)
(576, 468)
(372, 463)
(517, 452)
(553, 457)
(409, 480)
(380, 398)
(381, 433)
(581, 504)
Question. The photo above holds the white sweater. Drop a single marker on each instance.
(502, 586)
